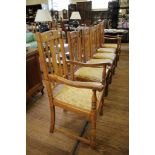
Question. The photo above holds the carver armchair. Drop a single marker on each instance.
(82, 98)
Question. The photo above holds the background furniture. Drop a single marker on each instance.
(31, 39)
(31, 11)
(85, 9)
(64, 13)
(122, 32)
(113, 10)
(33, 74)
(71, 8)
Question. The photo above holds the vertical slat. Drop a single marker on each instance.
(48, 53)
(54, 62)
(63, 56)
(58, 57)
(79, 47)
(70, 54)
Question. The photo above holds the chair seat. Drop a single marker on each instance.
(90, 74)
(77, 97)
(108, 45)
(110, 56)
(106, 50)
(100, 61)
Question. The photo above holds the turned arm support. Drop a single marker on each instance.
(77, 84)
(100, 64)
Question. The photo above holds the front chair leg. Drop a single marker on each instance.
(93, 131)
(52, 119)
(102, 104)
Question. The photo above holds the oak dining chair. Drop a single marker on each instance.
(82, 98)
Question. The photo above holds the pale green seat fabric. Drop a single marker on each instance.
(106, 50)
(110, 56)
(77, 97)
(89, 73)
(100, 61)
(108, 45)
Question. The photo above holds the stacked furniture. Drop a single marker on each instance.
(79, 84)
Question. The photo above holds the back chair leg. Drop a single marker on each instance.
(52, 125)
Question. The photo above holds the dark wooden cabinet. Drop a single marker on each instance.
(71, 8)
(65, 14)
(113, 10)
(85, 10)
(33, 74)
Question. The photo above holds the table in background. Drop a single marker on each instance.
(123, 32)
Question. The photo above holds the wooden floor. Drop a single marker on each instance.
(112, 127)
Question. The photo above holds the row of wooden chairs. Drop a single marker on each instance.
(80, 83)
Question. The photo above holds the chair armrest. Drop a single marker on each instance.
(77, 84)
(88, 64)
(112, 38)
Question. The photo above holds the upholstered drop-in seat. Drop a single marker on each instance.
(106, 50)
(77, 97)
(91, 61)
(110, 56)
(108, 45)
(90, 74)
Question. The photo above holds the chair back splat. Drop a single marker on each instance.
(74, 45)
(86, 43)
(51, 45)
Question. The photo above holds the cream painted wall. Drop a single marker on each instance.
(74, 1)
(32, 2)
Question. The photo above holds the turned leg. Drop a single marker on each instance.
(52, 119)
(106, 90)
(110, 76)
(102, 104)
(93, 131)
(93, 121)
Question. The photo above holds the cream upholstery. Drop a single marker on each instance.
(108, 45)
(100, 61)
(106, 50)
(77, 97)
(110, 56)
(91, 74)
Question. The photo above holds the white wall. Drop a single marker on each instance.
(74, 1)
(33, 2)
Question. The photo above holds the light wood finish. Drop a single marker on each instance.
(81, 47)
(103, 37)
(112, 128)
(48, 43)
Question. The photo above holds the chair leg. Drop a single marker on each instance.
(101, 108)
(106, 89)
(93, 131)
(52, 119)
